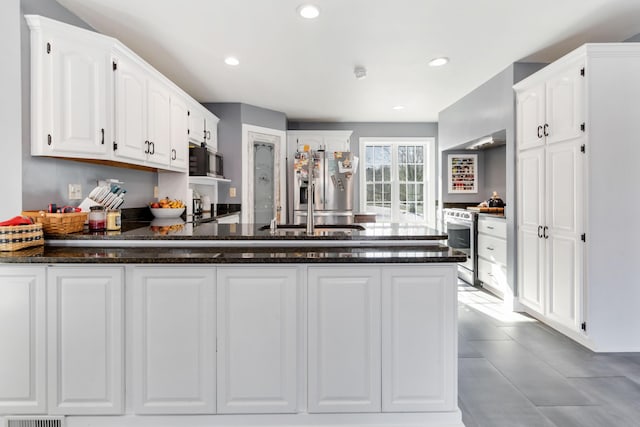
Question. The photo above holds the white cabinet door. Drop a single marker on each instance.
(158, 123)
(211, 130)
(22, 334)
(530, 117)
(565, 105)
(85, 311)
(419, 339)
(257, 340)
(344, 339)
(131, 109)
(179, 134)
(197, 131)
(79, 83)
(564, 215)
(172, 341)
(531, 220)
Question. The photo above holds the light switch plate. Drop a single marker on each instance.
(155, 191)
(75, 192)
(232, 191)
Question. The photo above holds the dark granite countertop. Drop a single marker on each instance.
(177, 242)
(167, 230)
(168, 255)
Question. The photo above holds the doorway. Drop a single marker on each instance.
(263, 175)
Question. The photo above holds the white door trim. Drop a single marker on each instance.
(247, 169)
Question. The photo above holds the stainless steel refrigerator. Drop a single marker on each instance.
(333, 176)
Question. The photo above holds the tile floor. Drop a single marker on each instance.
(515, 371)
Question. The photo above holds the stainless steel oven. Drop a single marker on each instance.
(460, 226)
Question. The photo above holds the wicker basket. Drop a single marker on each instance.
(16, 237)
(58, 223)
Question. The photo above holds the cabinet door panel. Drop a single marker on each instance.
(22, 334)
(131, 109)
(564, 280)
(565, 212)
(79, 87)
(257, 345)
(179, 134)
(85, 309)
(492, 248)
(564, 105)
(173, 340)
(418, 339)
(531, 270)
(530, 117)
(531, 189)
(158, 123)
(344, 340)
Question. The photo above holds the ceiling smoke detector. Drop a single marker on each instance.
(360, 72)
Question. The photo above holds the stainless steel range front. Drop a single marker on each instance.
(460, 226)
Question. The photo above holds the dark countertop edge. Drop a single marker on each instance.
(196, 261)
(293, 237)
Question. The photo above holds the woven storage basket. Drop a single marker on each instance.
(16, 237)
(58, 223)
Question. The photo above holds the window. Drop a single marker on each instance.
(398, 180)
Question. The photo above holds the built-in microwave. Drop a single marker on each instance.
(205, 162)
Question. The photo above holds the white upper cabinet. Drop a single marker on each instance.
(211, 130)
(552, 111)
(143, 113)
(71, 91)
(93, 98)
(131, 109)
(179, 156)
(197, 131)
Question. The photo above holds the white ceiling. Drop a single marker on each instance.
(305, 68)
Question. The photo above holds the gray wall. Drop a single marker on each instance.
(371, 130)
(10, 113)
(45, 180)
(495, 174)
(232, 116)
(487, 110)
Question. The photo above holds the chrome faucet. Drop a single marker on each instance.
(310, 188)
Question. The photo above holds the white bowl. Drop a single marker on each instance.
(167, 212)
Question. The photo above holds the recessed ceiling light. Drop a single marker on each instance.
(437, 62)
(398, 107)
(231, 60)
(360, 72)
(308, 11)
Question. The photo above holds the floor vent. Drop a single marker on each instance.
(35, 422)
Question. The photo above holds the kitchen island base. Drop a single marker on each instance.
(253, 344)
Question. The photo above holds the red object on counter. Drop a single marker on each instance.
(17, 220)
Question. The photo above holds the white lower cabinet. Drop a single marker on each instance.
(172, 331)
(23, 341)
(418, 339)
(492, 254)
(257, 339)
(344, 339)
(85, 340)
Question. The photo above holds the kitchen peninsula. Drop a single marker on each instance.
(345, 327)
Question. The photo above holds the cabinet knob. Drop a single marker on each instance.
(489, 248)
(490, 227)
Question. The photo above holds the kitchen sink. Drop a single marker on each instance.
(319, 227)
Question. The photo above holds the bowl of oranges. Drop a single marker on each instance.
(167, 208)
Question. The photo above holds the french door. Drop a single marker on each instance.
(398, 179)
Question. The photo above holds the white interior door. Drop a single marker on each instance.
(263, 174)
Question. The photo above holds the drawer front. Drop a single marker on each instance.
(493, 226)
(493, 275)
(492, 249)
